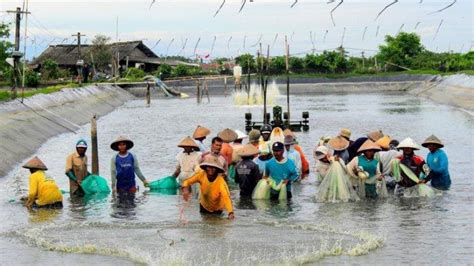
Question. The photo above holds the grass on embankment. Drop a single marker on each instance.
(5, 95)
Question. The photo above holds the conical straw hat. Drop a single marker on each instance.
(35, 163)
(338, 143)
(201, 132)
(263, 147)
(254, 136)
(240, 134)
(212, 161)
(247, 150)
(288, 132)
(227, 135)
(188, 142)
(369, 145)
(432, 140)
(321, 152)
(345, 133)
(384, 142)
(128, 142)
(408, 143)
(375, 135)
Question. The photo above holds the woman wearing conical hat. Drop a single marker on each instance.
(299, 149)
(187, 160)
(43, 191)
(335, 185)
(365, 171)
(199, 135)
(437, 161)
(385, 157)
(124, 166)
(413, 163)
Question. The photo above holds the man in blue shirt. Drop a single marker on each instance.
(280, 169)
(437, 161)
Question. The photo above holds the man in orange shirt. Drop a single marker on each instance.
(215, 195)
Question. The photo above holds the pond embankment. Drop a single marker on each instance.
(24, 127)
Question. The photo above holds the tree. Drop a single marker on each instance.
(296, 64)
(246, 61)
(164, 71)
(5, 46)
(278, 65)
(50, 69)
(400, 50)
(101, 55)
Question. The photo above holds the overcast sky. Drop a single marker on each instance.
(54, 21)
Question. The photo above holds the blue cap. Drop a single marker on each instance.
(278, 146)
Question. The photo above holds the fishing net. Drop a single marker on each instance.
(336, 186)
(262, 190)
(264, 186)
(93, 184)
(168, 182)
(422, 190)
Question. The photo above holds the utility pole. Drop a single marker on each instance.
(287, 66)
(16, 54)
(79, 62)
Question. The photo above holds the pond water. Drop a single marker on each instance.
(150, 228)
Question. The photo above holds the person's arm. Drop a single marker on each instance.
(138, 172)
(188, 182)
(177, 171)
(225, 197)
(294, 173)
(442, 165)
(32, 191)
(351, 166)
(69, 171)
(113, 172)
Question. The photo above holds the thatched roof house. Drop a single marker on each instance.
(133, 53)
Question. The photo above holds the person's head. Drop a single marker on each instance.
(34, 165)
(369, 154)
(345, 133)
(321, 154)
(254, 136)
(408, 146)
(265, 132)
(369, 148)
(188, 144)
(432, 143)
(216, 145)
(240, 136)
(289, 142)
(200, 133)
(393, 144)
(81, 147)
(278, 150)
(212, 166)
(122, 145)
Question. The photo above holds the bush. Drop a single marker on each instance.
(31, 78)
(181, 71)
(296, 64)
(164, 71)
(50, 70)
(134, 73)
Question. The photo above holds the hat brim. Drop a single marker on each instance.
(114, 145)
(204, 165)
(434, 143)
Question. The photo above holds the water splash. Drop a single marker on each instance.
(255, 95)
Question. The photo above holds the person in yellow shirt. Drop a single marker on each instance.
(215, 195)
(43, 191)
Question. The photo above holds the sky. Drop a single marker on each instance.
(168, 26)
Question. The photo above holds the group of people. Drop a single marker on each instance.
(345, 169)
(375, 165)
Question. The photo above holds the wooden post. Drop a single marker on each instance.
(95, 150)
(198, 91)
(148, 94)
(287, 49)
(225, 86)
(206, 90)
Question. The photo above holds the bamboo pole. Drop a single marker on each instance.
(225, 86)
(148, 94)
(95, 150)
(198, 91)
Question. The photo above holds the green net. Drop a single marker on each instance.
(168, 182)
(93, 184)
(262, 190)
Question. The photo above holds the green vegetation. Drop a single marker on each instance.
(101, 55)
(6, 95)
